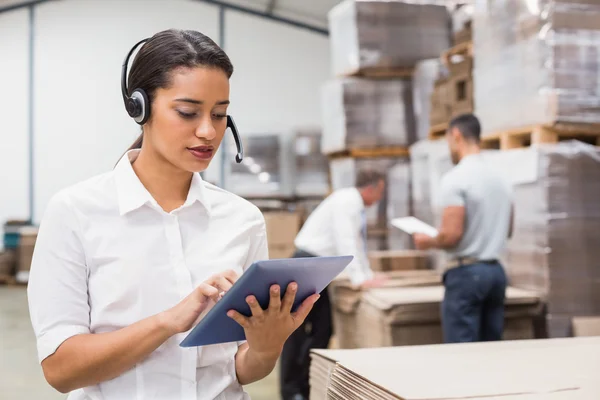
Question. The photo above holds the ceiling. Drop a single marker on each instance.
(309, 12)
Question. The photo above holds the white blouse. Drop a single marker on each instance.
(108, 256)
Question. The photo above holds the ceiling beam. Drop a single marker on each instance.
(263, 14)
(271, 6)
(22, 4)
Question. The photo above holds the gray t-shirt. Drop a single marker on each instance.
(487, 198)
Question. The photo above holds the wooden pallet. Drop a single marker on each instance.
(462, 49)
(438, 131)
(383, 72)
(539, 134)
(377, 152)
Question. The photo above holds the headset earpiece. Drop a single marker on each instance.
(137, 105)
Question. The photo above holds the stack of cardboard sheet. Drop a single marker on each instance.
(398, 260)
(411, 316)
(554, 369)
(282, 228)
(346, 298)
(359, 113)
(537, 62)
(554, 248)
(396, 199)
(385, 34)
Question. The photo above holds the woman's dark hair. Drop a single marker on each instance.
(168, 50)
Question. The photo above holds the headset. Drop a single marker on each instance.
(138, 105)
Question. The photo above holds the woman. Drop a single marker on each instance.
(127, 262)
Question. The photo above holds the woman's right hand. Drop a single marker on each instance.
(183, 316)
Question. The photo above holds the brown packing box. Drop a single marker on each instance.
(346, 298)
(554, 369)
(461, 66)
(411, 316)
(586, 326)
(282, 227)
(440, 103)
(463, 36)
(8, 262)
(461, 94)
(398, 260)
(27, 240)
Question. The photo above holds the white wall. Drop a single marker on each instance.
(14, 98)
(81, 124)
(278, 73)
(81, 127)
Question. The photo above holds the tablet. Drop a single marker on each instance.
(312, 275)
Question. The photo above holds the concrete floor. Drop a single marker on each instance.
(21, 377)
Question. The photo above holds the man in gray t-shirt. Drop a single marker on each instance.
(476, 224)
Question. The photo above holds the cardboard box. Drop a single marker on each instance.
(465, 35)
(28, 236)
(282, 227)
(440, 103)
(398, 260)
(8, 262)
(461, 94)
(461, 66)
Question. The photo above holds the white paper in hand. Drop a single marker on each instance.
(413, 225)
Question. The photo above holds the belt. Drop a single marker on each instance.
(461, 261)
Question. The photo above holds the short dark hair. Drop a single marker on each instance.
(368, 177)
(468, 125)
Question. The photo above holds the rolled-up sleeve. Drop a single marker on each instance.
(57, 289)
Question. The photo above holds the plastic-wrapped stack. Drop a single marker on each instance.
(429, 161)
(397, 198)
(427, 72)
(311, 167)
(398, 203)
(554, 249)
(366, 113)
(385, 34)
(537, 62)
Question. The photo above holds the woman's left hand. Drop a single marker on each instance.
(267, 330)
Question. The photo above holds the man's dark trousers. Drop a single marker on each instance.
(473, 306)
(314, 333)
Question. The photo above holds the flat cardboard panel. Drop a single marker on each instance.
(543, 369)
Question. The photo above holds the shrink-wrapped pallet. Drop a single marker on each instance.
(536, 62)
(363, 113)
(554, 248)
(380, 34)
